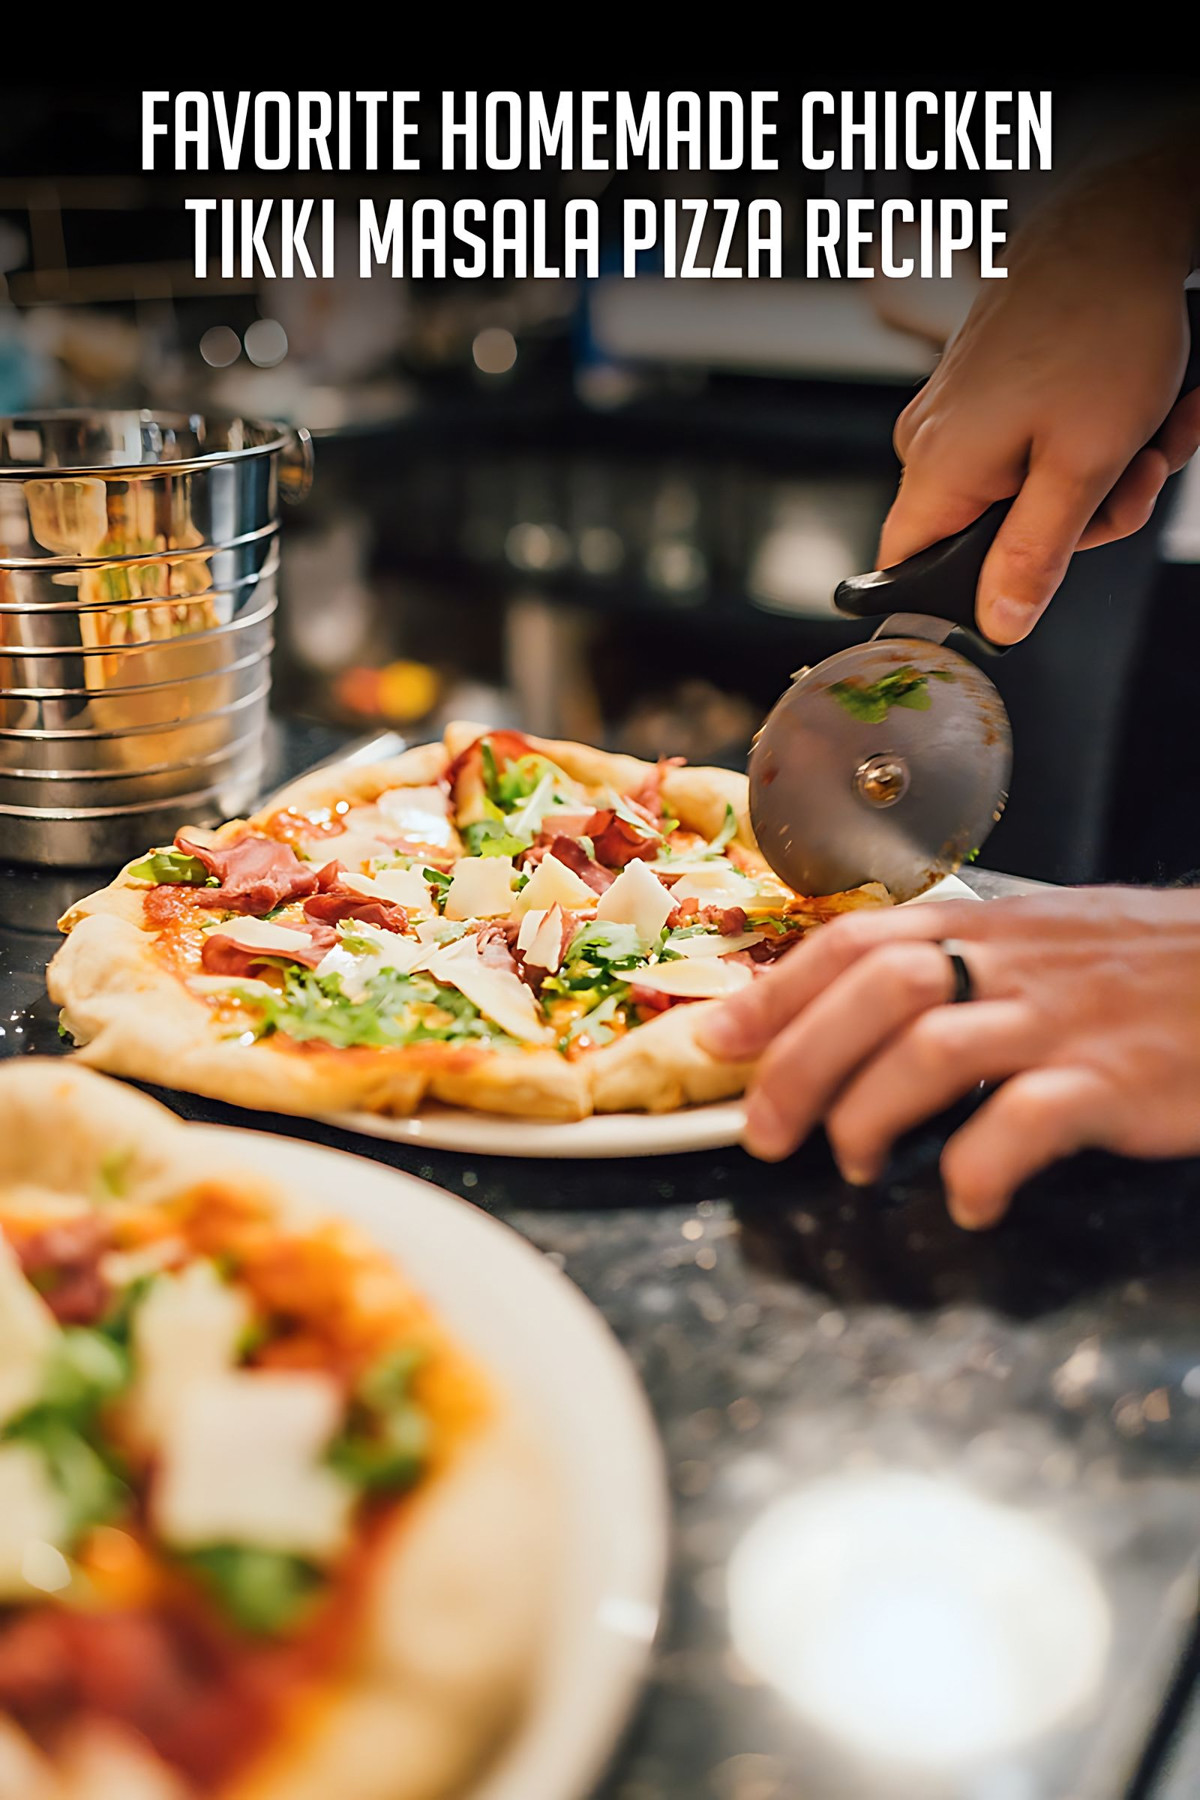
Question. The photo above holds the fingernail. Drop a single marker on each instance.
(857, 1174)
(722, 1036)
(962, 1213)
(765, 1133)
(1008, 620)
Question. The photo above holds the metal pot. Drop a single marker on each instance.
(138, 564)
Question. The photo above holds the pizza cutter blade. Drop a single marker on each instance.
(888, 761)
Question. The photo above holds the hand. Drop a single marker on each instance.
(1053, 389)
(1086, 1019)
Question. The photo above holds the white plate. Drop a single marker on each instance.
(543, 1342)
(713, 1127)
(603, 1134)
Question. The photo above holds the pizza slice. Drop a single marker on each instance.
(497, 921)
(266, 1532)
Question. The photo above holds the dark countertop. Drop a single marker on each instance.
(790, 1330)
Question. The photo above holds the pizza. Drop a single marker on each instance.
(496, 921)
(266, 1532)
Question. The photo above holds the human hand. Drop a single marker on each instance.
(1053, 390)
(1085, 1017)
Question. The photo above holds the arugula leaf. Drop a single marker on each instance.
(388, 1457)
(439, 881)
(491, 837)
(91, 1487)
(726, 834)
(491, 773)
(263, 1591)
(599, 1024)
(393, 1011)
(174, 867)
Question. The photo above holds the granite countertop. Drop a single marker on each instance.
(793, 1333)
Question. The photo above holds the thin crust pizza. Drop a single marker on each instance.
(498, 922)
(266, 1532)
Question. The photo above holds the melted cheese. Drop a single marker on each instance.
(553, 884)
(354, 848)
(711, 943)
(27, 1333)
(701, 979)
(419, 813)
(638, 898)
(500, 995)
(242, 1463)
(32, 1521)
(719, 885)
(186, 1329)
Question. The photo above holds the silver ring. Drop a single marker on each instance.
(964, 987)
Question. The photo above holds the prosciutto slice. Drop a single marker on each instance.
(336, 901)
(618, 841)
(256, 874)
(222, 955)
(571, 851)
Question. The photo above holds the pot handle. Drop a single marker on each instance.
(296, 466)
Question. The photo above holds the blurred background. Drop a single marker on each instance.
(613, 510)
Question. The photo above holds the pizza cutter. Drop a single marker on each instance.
(889, 761)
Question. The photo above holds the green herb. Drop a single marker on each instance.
(491, 774)
(726, 834)
(597, 962)
(599, 1024)
(113, 1174)
(387, 1444)
(89, 1482)
(263, 1591)
(85, 1369)
(174, 867)
(387, 1382)
(439, 881)
(872, 702)
(391, 1012)
(491, 837)
(388, 1457)
(972, 855)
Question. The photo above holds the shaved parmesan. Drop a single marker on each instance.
(420, 813)
(261, 934)
(481, 888)
(719, 885)
(186, 1329)
(353, 848)
(27, 1333)
(553, 884)
(638, 898)
(705, 978)
(242, 1463)
(406, 887)
(32, 1519)
(711, 943)
(541, 938)
(389, 950)
(500, 995)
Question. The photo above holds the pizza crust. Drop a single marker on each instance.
(133, 1017)
(450, 1646)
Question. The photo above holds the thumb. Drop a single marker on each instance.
(1029, 558)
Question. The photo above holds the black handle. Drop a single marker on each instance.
(940, 582)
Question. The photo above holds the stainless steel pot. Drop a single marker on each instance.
(138, 564)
